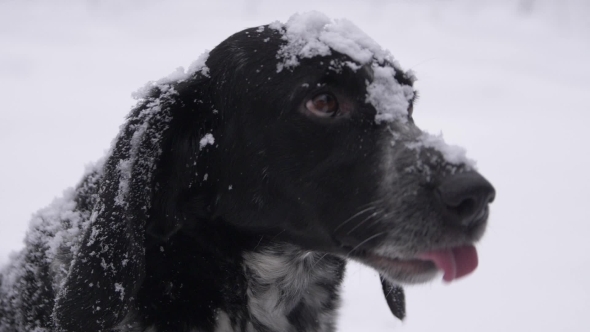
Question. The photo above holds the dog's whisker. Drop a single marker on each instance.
(378, 200)
(279, 233)
(319, 259)
(257, 244)
(354, 216)
(378, 220)
(364, 220)
(363, 242)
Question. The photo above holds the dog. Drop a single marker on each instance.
(236, 191)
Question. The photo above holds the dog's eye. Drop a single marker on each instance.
(323, 105)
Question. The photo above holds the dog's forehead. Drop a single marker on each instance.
(313, 35)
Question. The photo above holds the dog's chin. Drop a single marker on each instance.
(453, 262)
(397, 270)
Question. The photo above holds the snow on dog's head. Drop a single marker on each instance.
(314, 34)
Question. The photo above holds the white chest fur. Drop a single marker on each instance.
(289, 290)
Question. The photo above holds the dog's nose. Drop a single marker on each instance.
(465, 198)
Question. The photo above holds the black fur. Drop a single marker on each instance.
(177, 235)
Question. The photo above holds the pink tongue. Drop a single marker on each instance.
(455, 263)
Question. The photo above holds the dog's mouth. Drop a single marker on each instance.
(454, 263)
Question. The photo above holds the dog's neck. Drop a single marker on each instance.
(289, 289)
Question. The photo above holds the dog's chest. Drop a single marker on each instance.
(287, 290)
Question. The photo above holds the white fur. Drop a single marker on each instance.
(283, 276)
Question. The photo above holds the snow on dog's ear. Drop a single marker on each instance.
(109, 266)
(394, 295)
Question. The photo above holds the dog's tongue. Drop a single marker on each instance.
(455, 262)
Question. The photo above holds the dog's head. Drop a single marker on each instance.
(330, 157)
(301, 131)
(320, 146)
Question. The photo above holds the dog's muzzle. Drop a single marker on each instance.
(463, 200)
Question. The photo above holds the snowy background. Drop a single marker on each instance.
(508, 80)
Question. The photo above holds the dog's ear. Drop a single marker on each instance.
(394, 295)
(109, 266)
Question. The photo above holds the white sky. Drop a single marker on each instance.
(508, 80)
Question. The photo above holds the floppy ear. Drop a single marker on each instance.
(394, 295)
(109, 266)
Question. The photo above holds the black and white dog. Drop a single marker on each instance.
(235, 193)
